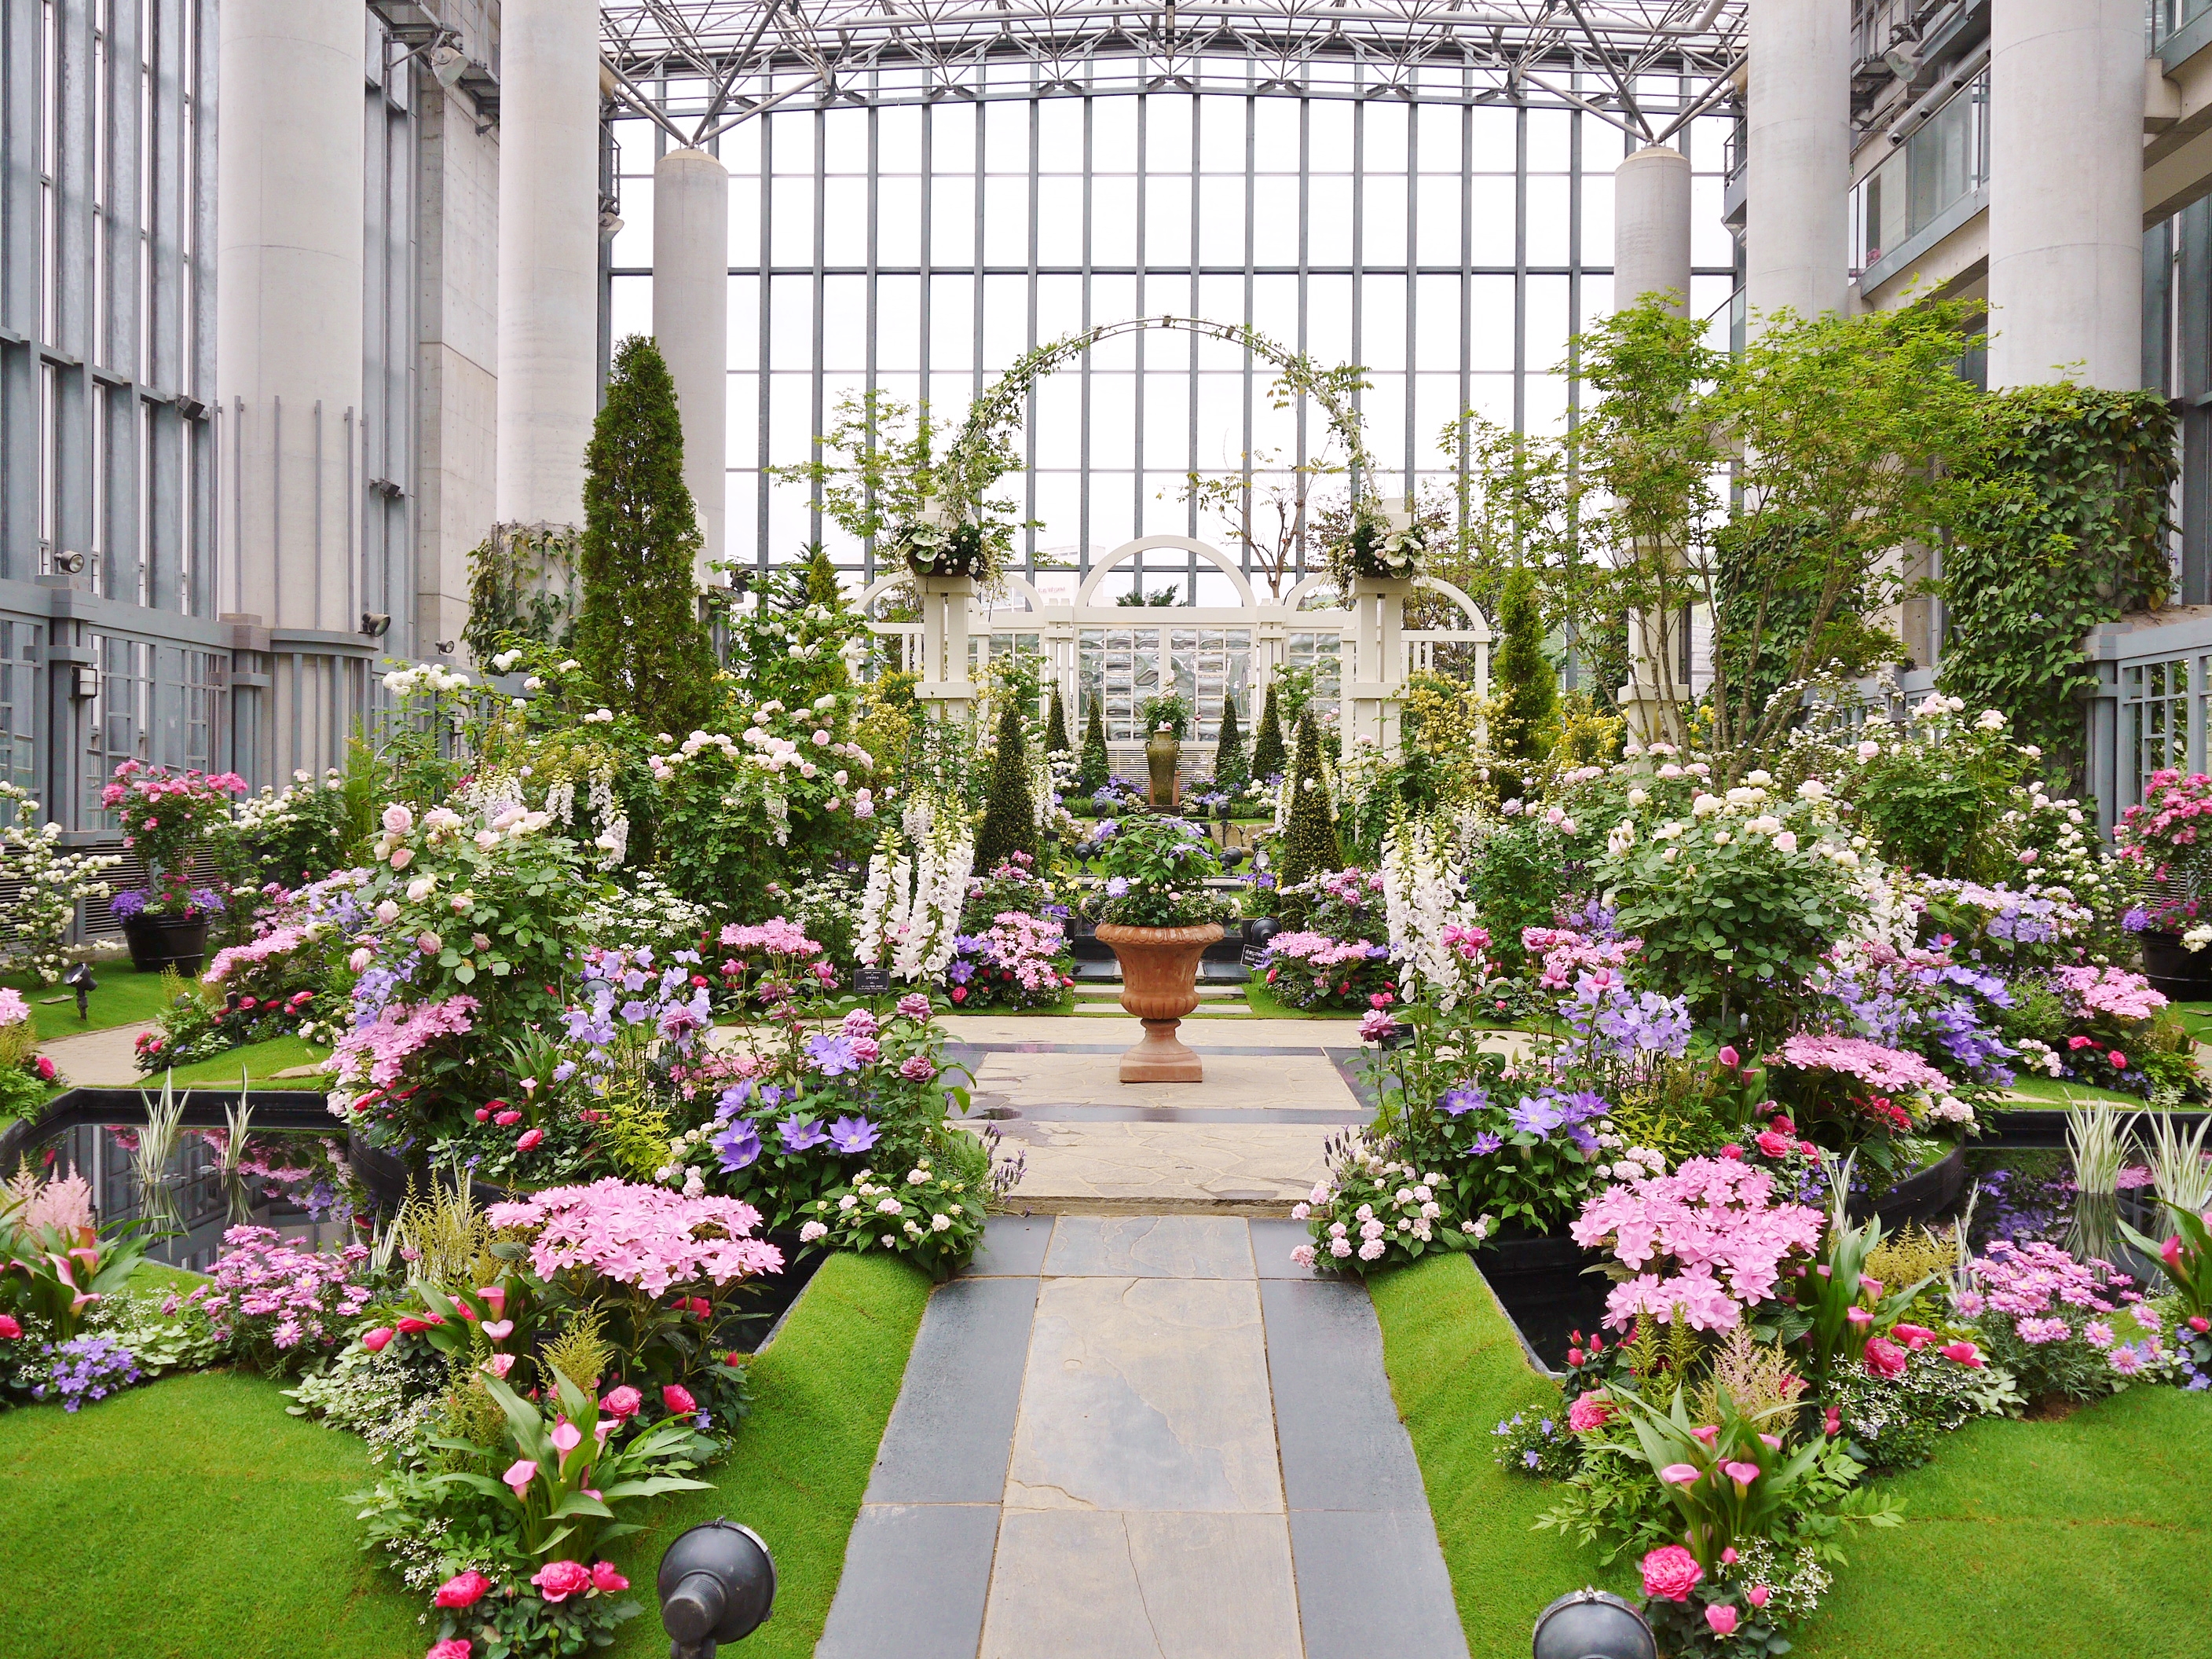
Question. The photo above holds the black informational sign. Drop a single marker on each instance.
(871, 982)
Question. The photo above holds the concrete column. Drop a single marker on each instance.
(1797, 191)
(2066, 117)
(1651, 228)
(549, 257)
(691, 322)
(288, 308)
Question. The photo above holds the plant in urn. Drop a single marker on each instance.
(1157, 913)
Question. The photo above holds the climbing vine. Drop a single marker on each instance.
(2074, 536)
(522, 582)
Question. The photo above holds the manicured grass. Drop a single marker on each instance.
(126, 997)
(1455, 1369)
(261, 1062)
(822, 1393)
(2061, 1093)
(192, 1519)
(2068, 1540)
(1265, 1004)
(196, 1516)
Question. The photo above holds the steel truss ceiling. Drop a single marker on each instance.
(698, 67)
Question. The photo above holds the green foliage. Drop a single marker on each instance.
(2072, 533)
(1009, 815)
(1269, 758)
(1162, 864)
(1310, 844)
(1055, 726)
(639, 632)
(1170, 710)
(1231, 772)
(522, 583)
(1092, 770)
(1934, 802)
(1527, 684)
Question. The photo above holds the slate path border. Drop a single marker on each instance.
(1369, 1577)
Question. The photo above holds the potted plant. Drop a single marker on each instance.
(1157, 915)
(163, 815)
(2173, 932)
(1166, 719)
(2163, 840)
(937, 548)
(1383, 545)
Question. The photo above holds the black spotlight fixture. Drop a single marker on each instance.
(1588, 1623)
(79, 979)
(375, 624)
(717, 1583)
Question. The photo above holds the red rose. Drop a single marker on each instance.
(1884, 1358)
(678, 1400)
(375, 1339)
(462, 1590)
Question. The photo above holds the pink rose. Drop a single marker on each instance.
(1759, 1596)
(1963, 1353)
(557, 1581)
(462, 1590)
(1593, 1410)
(529, 1139)
(11, 1328)
(1832, 1422)
(373, 1341)
(453, 1647)
(1913, 1336)
(624, 1401)
(1884, 1358)
(1722, 1617)
(678, 1400)
(605, 1579)
(1773, 1145)
(506, 1118)
(1670, 1572)
(500, 1364)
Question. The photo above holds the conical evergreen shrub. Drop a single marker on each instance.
(1529, 686)
(1090, 772)
(1009, 818)
(1309, 840)
(1056, 727)
(1269, 759)
(638, 632)
(1230, 770)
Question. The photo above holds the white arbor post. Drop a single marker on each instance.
(946, 604)
(549, 256)
(1797, 186)
(2066, 107)
(691, 323)
(1377, 681)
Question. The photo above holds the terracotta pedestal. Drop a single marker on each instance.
(1159, 986)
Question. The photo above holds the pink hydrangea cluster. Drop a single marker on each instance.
(265, 1286)
(1317, 950)
(1707, 1240)
(1887, 1069)
(375, 1053)
(777, 936)
(1568, 954)
(642, 1236)
(277, 942)
(2036, 1278)
(2114, 991)
(1028, 947)
(2169, 821)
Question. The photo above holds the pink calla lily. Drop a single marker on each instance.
(1742, 1474)
(520, 1473)
(499, 1329)
(566, 1437)
(1679, 1475)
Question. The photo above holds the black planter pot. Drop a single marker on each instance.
(1921, 1195)
(159, 942)
(387, 1173)
(1542, 1281)
(2173, 968)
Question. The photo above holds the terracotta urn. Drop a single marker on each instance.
(1159, 986)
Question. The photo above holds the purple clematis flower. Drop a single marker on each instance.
(852, 1134)
(1485, 1144)
(1464, 1099)
(832, 1054)
(739, 1146)
(801, 1134)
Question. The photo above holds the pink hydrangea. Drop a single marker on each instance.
(644, 1236)
(2114, 991)
(376, 1055)
(1709, 1235)
(776, 936)
(1886, 1069)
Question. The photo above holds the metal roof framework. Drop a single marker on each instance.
(698, 68)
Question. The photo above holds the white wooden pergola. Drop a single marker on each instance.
(1361, 652)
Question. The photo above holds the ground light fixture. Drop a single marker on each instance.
(79, 979)
(1588, 1623)
(717, 1583)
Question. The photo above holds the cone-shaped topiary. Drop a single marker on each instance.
(1009, 818)
(1230, 770)
(821, 584)
(1529, 686)
(1056, 727)
(1269, 759)
(1309, 839)
(1090, 772)
(638, 631)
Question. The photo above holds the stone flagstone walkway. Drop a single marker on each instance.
(1144, 1438)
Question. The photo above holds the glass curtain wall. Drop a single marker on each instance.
(1449, 242)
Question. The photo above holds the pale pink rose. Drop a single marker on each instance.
(361, 959)
(500, 1364)
(1722, 1617)
(402, 858)
(397, 820)
(556, 1581)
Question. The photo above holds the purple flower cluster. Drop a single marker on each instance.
(86, 1368)
(1549, 1112)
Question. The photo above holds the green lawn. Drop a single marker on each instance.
(2061, 1093)
(2068, 1540)
(126, 997)
(198, 1517)
(261, 1062)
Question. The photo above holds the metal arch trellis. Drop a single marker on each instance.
(982, 453)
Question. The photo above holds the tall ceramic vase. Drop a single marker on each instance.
(1163, 750)
(1159, 986)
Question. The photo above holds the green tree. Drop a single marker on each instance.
(1268, 756)
(1009, 818)
(1231, 772)
(1056, 727)
(823, 587)
(1091, 772)
(638, 633)
(1309, 839)
(1529, 685)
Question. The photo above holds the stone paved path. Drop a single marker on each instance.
(1144, 1438)
(106, 1059)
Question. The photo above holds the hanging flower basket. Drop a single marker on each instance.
(1375, 551)
(936, 550)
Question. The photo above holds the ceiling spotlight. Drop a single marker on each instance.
(449, 63)
(375, 624)
(610, 225)
(717, 1583)
(1588, 1623)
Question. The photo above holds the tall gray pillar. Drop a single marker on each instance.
(1651, 228)
(549, 257)
(288, 308)
(2066, 109)
(1797, 190)
(691, 322)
